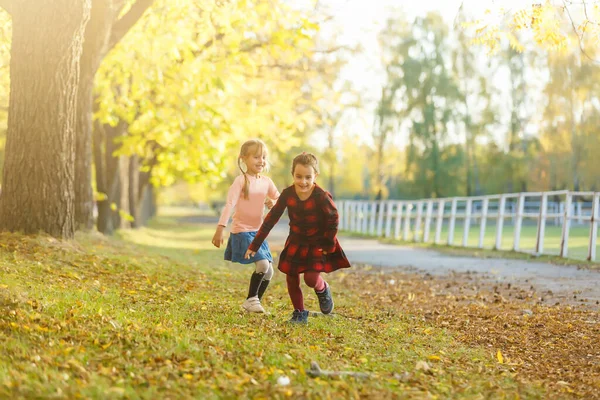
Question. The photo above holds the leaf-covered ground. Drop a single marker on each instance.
(156, 314)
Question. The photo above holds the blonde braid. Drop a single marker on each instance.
(246, 189)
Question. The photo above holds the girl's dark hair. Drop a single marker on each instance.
(306, 159)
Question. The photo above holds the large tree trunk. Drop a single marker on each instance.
(38, 192)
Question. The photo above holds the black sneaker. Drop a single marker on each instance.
(299, 317)
(325, 300)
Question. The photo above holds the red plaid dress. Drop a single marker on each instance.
(313, 229)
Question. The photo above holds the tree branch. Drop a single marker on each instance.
(316, 372)
(7, 5)
(579, 38)
(124, 24)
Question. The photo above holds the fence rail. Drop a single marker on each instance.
(413, 220)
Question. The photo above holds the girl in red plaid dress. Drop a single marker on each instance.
(312, 246)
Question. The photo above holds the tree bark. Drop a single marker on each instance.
(123, 203)
(97, 35)
(7, 5)
(104, 222)
(104, 31)
(107, 174)
(38, 188)
(133, 190)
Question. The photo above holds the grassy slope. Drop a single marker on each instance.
(156, 314)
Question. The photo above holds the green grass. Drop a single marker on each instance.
(155, 313)
(579, 237)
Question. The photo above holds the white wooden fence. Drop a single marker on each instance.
(413, 219)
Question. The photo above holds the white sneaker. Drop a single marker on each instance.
(253, 305)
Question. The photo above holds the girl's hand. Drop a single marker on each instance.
(269, 203)
(217, 239)
(249, 253)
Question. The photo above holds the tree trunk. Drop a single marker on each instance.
(123, 203)
(133, 190)
(107, 175)
(38, 189)
(147, 204)
(104, 222)
(103, 32)
(97, 37)
(146, 200)
(84, 197)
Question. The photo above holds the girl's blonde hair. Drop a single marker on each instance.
(306, 159)
(252, 146)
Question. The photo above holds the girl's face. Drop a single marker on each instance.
(304, 178)
(255, 162)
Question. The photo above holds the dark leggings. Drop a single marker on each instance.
(312, 280)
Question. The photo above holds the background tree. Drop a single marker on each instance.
(183, 102)
(110, 21)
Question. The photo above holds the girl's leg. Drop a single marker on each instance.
(295, 292)
(266, 280)
(314, 280)
(262, 267)
(252, 303)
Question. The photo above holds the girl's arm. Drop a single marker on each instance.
(331, 222)
(268, 224)
(272, 195)
(233, 195)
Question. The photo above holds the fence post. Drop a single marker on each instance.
(365, 217)
(519, 221)
(561, 211)
(418, 237)
(500, 223)
(388, 218)
(399, 208)
(594, 227)
(428, 220)
(541, 230)
(381, 206)
(372, 217)
(356, 216)
(347, 205)
(439, 221)
(341, 210)
(467, 222)
(452, 222)
(409, 208)
(483, 222)
(564, 240)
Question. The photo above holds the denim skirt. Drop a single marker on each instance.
(238, 244)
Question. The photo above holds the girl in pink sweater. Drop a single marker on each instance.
(247, 196)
